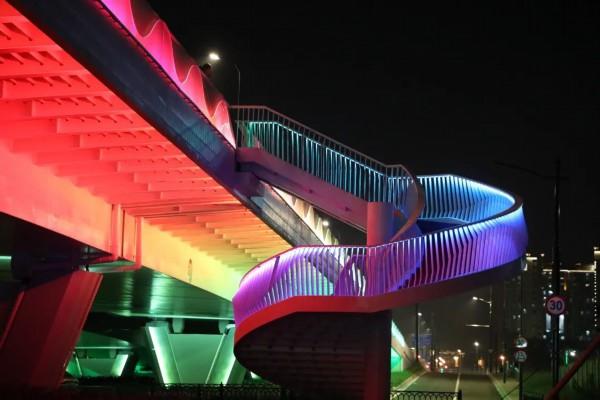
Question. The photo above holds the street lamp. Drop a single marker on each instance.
(489, 303)
(418, 315)
(502, 360)
(476, 344)
(557, 178)
(215, 57)
(460, 357)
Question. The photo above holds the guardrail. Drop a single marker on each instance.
(418, 395)
(492, 233)
(325, 158)
(197, 392)
(171, 392)
(582, 373)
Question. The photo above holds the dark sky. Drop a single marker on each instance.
(439, 89)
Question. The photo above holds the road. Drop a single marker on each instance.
(474, 386)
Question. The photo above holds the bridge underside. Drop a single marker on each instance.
(87, 181)
(78, 160)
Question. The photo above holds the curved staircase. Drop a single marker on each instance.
(316, 318)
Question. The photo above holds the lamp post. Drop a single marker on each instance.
(417, 322)
(557, 178)
(502, 361)
(215, 57)
(489, 326)
(476, 344)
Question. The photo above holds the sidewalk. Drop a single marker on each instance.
(410, 380)
(504, 388)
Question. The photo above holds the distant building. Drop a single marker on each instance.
(580, 285)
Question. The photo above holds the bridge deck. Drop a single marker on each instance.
(77, 159)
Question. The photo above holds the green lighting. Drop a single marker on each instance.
(119, 364)
(396, 362)
(160, 345)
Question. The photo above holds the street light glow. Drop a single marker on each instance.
(474, 298)
(420, 314)
(476, 344)
(212, 56)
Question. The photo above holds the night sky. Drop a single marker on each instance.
(439, 89)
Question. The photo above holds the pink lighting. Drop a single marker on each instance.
(154, 35)
(78, 160)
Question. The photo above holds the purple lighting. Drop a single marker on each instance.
(487, 230)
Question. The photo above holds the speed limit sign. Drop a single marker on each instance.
(556, 305)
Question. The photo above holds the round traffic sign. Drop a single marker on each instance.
(556, 305)
(520, 342)
(520, 356)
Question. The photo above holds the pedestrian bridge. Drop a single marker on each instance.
(112, 137)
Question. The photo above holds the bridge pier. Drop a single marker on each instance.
(41, 321)
(380, 222)
(183, 358)
(377, 357)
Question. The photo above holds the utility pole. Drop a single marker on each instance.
(521, 303)
(433, 352)
(556, 275)
(491, 336)
(417, 332)
(555, 257)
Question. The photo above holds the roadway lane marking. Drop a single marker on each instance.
(404, 385)
(457, 384)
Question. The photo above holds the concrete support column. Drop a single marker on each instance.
(380, 229)
(41, 324)
(377, 357)
(193, 358)
(380, 222)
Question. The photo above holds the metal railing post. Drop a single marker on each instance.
(554, 392)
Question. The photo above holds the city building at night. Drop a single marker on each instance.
(576, 327)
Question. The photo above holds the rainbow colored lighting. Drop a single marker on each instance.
(78, 160)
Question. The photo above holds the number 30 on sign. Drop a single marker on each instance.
(556, 305)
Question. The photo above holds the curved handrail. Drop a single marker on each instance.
(493, 233)
(330, 160)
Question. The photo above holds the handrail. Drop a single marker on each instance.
(329, 160)
(492, 220)
(309, 129)
(554, 392)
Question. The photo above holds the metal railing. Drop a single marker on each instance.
(587, 377)
(327, 159)
(492, 233)
(171, 392)
(420, 395)
(583, 374)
